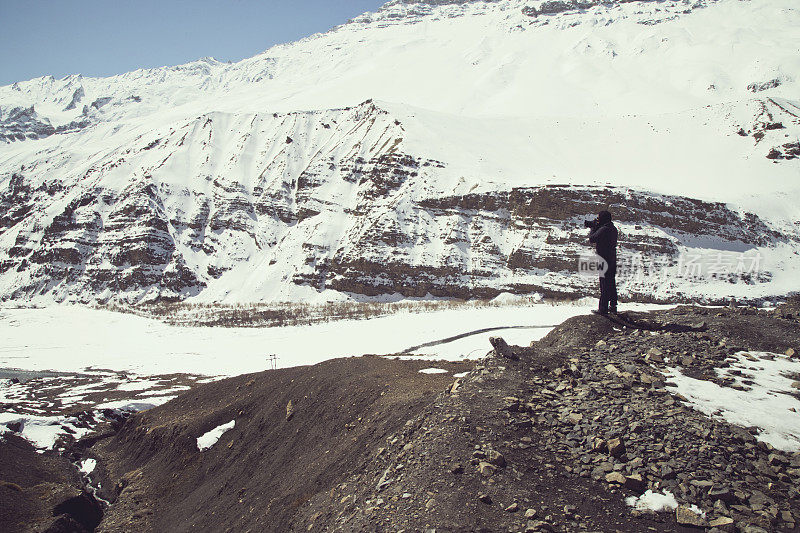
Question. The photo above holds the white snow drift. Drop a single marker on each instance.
(210, 438)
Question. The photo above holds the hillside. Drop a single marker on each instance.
(428, 162)
(585, 430)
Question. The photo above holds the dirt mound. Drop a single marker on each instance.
(34, 487)
(270, 464)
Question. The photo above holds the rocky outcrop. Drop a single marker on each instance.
(341, 207)
(571, 436)
(554, 7)
(20, 124)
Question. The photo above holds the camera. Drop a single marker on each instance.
(590, 223)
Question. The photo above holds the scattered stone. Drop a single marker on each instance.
(484, 498)
(502, 348)
(722, 494)
(530, 513)
(686, 517)
(615, 477)
(722, 521)
(599, 445)
(486, 469)
(513, 508)
(289, 410)
(635, 483)
(654, 355)
(748, 528)
(496, 458)
(777, 460)
(616, 447)
(538, 525)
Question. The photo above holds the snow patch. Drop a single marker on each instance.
(138, 385)
(653, 501)
(134, 406)
(43, 431)
(80, 337)
(768, 403)
(433, 371)
(207, 440)
(87, 466)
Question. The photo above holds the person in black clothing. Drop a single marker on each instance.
(604, 236)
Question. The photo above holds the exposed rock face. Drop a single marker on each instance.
(341, 207)
(76, 98)
(553, 7)
(19, 124)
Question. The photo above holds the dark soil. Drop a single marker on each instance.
(261, 472)
(32, 485)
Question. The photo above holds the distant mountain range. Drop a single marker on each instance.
(433, 148)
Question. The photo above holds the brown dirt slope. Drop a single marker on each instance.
(32, 486)
(259, 473)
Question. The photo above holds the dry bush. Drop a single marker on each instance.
(260, 314)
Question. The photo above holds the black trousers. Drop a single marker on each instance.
(608, 289)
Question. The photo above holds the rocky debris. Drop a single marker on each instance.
(42, 491)
(349, 415)
(685, 516)
(583, 424)
(502, 348)
(787, 151)
(555, 441)
(757, 87)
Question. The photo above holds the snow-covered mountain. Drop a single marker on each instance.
(442, 147)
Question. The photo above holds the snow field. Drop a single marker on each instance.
(769, 401)
(73, 339)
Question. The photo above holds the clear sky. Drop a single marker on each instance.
(107, 37)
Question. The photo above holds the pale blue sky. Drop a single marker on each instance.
(102, 38)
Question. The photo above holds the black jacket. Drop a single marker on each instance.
(605, 239)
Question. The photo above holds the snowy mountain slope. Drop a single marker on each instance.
(211, 180)
(480, 59)
(286, 205)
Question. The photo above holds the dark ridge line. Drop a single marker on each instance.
(468, 334)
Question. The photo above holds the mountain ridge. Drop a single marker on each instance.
(138, 200)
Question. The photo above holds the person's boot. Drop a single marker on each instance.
(599, 312)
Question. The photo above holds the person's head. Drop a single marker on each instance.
(604, 217)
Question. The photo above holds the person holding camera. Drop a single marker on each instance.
(604, 236)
